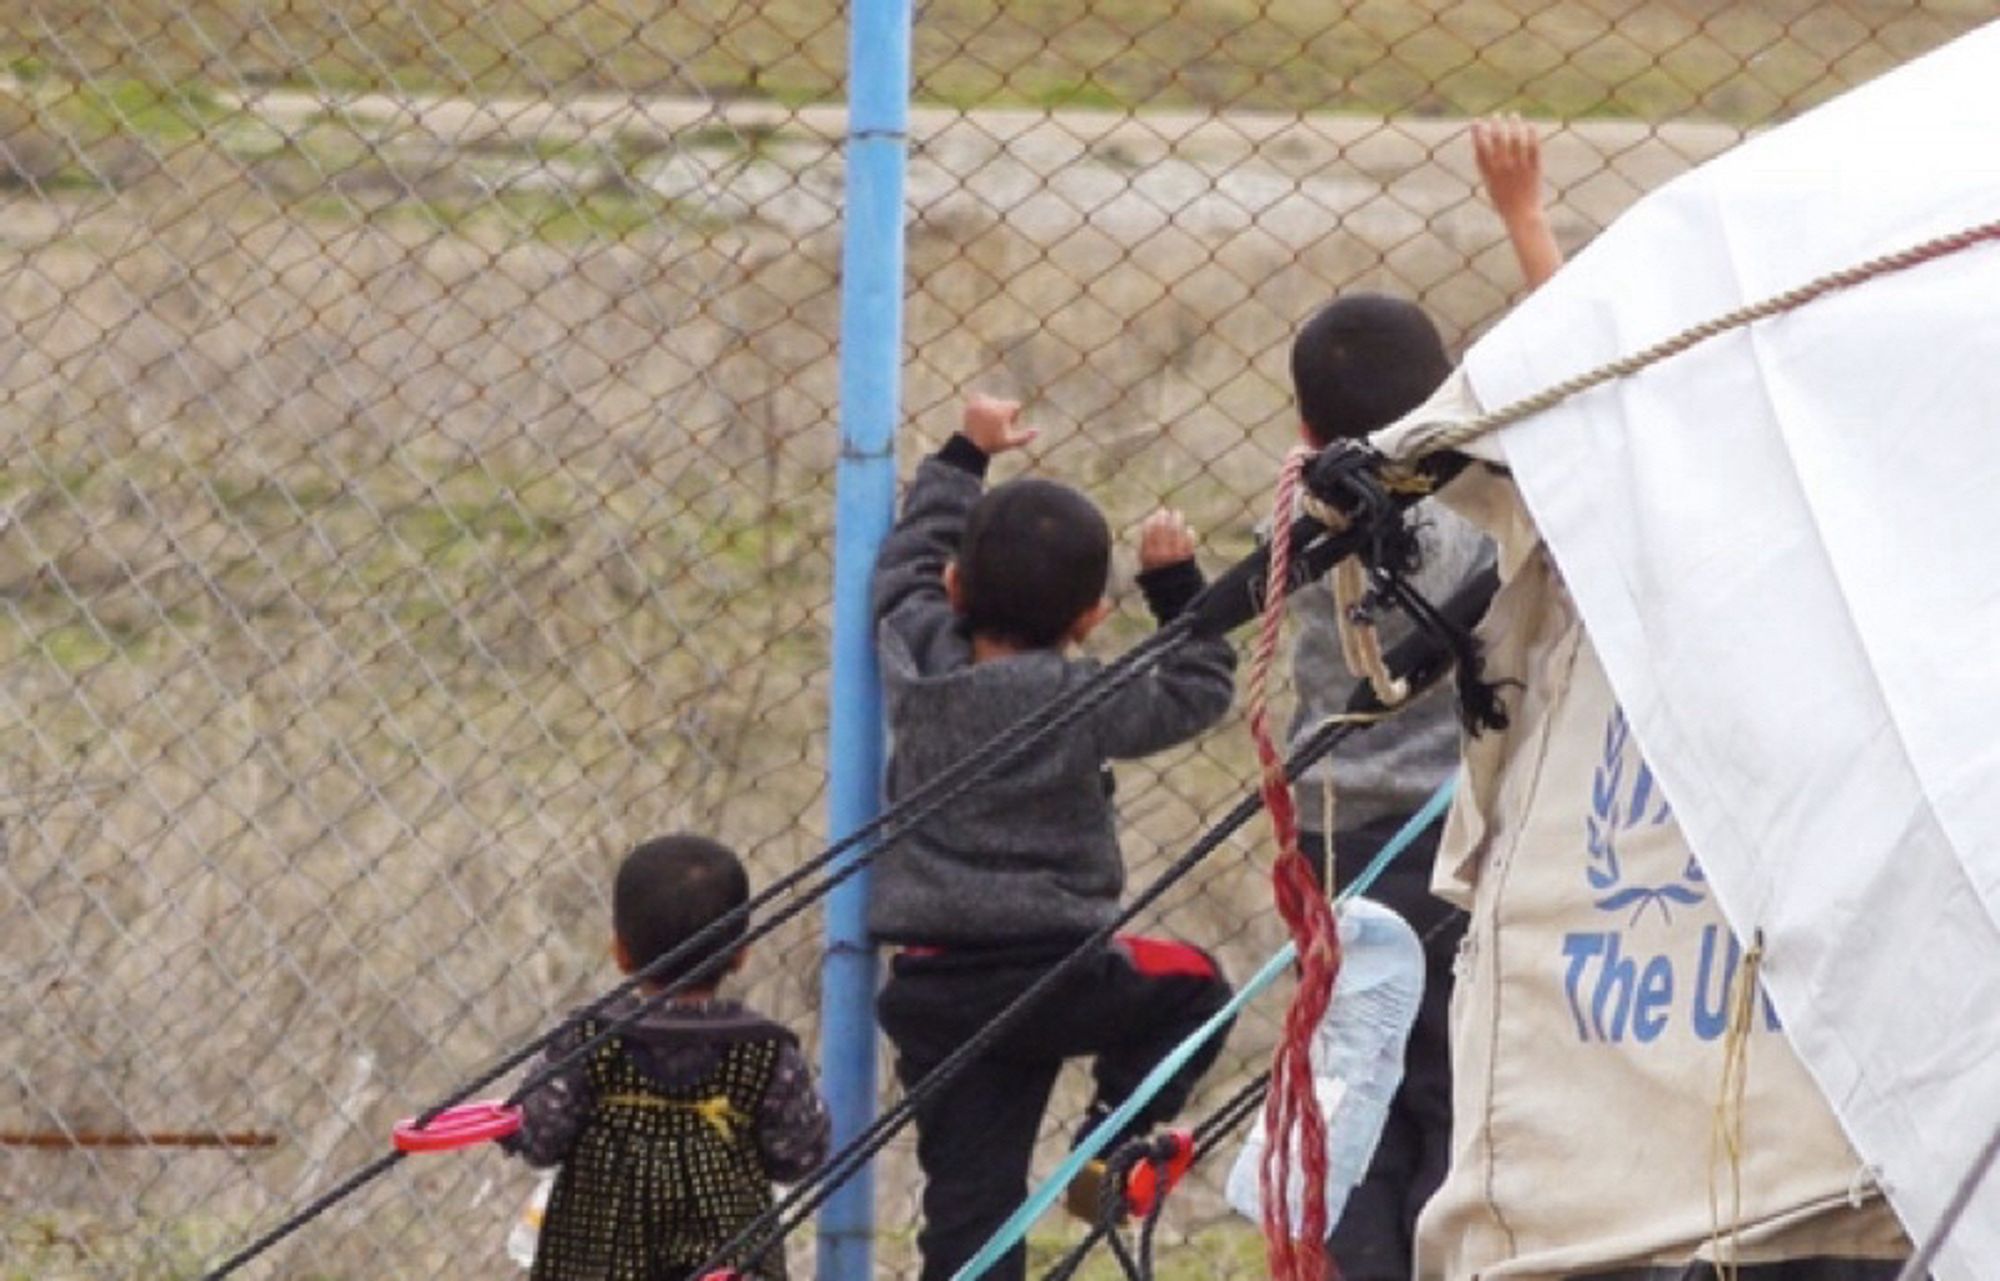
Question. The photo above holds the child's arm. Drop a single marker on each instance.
(909, 594)
(1509, 153)
(555, 1113)
(793, 1128)
(1192, 686)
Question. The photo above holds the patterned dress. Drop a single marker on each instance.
(661, 1175)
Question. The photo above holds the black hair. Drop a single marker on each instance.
(669, 889)
(1363, 361)
(1034, 560)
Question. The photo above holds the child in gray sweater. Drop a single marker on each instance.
(980, 599)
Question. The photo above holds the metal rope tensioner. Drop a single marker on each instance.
(1356, 507)
(1370, 499)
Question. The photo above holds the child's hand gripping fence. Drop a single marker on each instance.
(412, 434)
(1421, 659)
(1224, 604)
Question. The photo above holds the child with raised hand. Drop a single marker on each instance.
(981, 598)
(1508, 151)
(1358, 364)
(670, 1133)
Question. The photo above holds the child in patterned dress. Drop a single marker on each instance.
(670, 1134)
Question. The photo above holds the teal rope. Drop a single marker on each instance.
(1038, 1202)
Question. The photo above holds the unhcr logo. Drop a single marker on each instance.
(1639, 978)
(1625, 797)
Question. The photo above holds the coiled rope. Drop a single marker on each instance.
(1291, 1107)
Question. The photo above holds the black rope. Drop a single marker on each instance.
(1112, 1192)
(1111, 1210)
(887, 828)
(1123, 1253)
(1147, 1228)
(908, 814)
(1414, 658)
(1450, 625)
(1225, 603)
(1065, 1267)
(806, 1197)
(1208, 1135)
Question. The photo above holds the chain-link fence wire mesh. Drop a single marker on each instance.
(416, 427)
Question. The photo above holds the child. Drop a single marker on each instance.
(1360, 363)
(980, 599)
(1584, 1147)
(670, 1133)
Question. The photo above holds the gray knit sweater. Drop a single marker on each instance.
(1387, 770)
(1031, 854)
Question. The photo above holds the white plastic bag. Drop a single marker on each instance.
(527, 1230)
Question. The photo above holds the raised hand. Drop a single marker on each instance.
(990, 424)
(1509, 154)
(1164, 539)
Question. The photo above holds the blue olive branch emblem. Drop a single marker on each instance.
(1618, 805)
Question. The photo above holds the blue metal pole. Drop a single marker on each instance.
(871, 350)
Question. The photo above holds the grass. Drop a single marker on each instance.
(60, 134)
(1740, 62)
(48, 1247)
(410, 547)
(1216, 1253)
(556, 217)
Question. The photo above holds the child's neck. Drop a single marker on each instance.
(686, 996)
(987, 648)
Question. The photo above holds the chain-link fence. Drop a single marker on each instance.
(416, 423)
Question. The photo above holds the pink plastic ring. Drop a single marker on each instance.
(458, 1127)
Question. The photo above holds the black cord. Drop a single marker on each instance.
(1416, 656)
(1223, 1120)
(903, 818)
(1123, 1253)
(1229, 601)
(799, 1204)
(1207, 1135)
(1147, 1230)
(887, 828)
(1118, 1168)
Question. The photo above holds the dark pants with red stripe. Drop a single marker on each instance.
(1126, 1007)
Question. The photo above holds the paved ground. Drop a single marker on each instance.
(1047, 171)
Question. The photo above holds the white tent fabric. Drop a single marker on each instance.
(1786, 547)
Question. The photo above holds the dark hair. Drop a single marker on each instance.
(666, 892)
(1363, 361)
(1034, 559)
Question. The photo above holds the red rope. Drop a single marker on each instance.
(1296, 1251)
